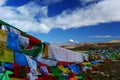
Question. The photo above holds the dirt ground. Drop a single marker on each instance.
(105, 71)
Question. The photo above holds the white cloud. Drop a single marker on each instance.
(24, 17)
(34, 18)
(50, 1)
(2, 2)
(87, 1)
(30, 26)
(102, 12)
(106, 36)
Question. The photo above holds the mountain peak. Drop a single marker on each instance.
(71, 41)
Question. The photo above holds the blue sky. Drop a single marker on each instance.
(100, 33)
(62, 20)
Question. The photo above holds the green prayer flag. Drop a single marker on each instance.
(1, 75)
(6, 75)
(61, 77)
(55, 71)
(80, 76)
(23, 34)
(34, 52)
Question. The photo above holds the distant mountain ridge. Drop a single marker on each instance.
(90, 45)
(115, 41)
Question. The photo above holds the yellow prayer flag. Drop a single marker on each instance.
(45, 52)
(6, 55)
(2, 45)
(3, 36)
(65, 70)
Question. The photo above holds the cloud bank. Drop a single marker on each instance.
(31, 17)
(2, 2)
(87, 1)
(105, 36)
(50, 1)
